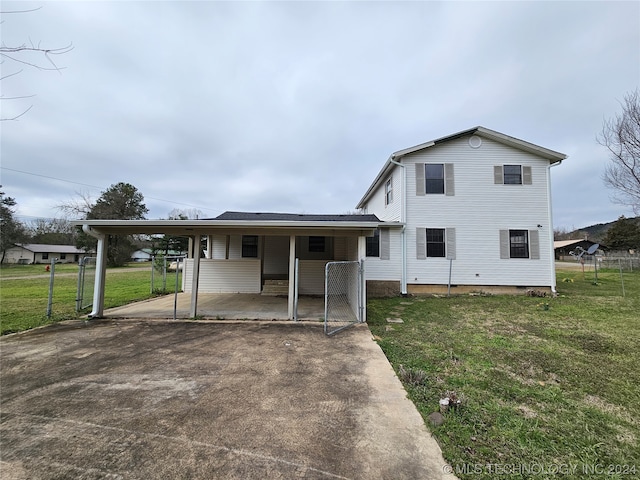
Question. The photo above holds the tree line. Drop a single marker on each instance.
(121, 201)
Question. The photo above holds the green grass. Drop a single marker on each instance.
(23, 300)
(545, 381)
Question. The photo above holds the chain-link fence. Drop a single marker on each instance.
(86, 282)
(343, 297)
(165, 272)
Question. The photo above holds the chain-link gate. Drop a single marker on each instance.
(86, 282)
(343, 302)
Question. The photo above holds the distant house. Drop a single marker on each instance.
(142, 255)
(563, 248)
(28, 253)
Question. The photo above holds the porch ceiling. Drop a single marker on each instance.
(233, 227)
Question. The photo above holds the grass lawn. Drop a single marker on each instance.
(546, 383)
(24, 291)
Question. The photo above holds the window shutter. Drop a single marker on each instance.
(420, 186)
(449, 186)
(451, 243)
(498, 177)
(384, 244)
(421, 243)
(526, 175)
(534, 245)
(504, 244)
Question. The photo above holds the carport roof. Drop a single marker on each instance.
(245, 223)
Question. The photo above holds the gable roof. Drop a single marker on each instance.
(551, 155)
(294, 217)
(46, 248)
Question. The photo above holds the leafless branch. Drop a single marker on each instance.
(17, 116)
(621, 136)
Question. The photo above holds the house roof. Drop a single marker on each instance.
(295, 217)
(46, 248)
(551, 155)
(567, 243)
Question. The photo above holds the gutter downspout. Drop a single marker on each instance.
(553, 254)
(101, 262)
(403, 216)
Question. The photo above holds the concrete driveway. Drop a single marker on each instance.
(203, 400)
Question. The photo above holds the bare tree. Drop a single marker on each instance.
(26, 55)
(621, 135)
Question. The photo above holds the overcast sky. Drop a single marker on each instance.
(295, 106)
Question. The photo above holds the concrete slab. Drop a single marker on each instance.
(203, 400)
(230, 306)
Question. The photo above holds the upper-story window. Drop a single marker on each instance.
(388, 191)
(434, 177)
(512, 174)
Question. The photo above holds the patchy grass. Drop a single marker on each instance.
(547, 382)
(23, 300)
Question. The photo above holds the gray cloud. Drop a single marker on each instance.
(295, 106)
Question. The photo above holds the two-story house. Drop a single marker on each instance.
(473, 212)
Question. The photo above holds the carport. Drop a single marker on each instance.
(245, 248)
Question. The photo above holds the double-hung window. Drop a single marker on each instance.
(388, 191)
(317, 244)
(512, 175)
(435, 179)
(435, 242)
(520, 244)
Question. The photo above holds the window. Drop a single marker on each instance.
(63, 256)
(317, 244)
(388, 192)
(373, 245)
(518, 244)
(249, 246)
(434, 177)
(435, 242)
(512, 175)
(45, 256)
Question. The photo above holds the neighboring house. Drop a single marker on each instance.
(469, 212)
(27, 253)
(474, 210)
(563, 248)
(142, 255)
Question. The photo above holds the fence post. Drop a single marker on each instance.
(153, 267)
(80, 284)
(51, 276)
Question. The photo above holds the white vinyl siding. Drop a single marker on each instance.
(377, 205)
(225, 276)
(477, 211)
(376, 268)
